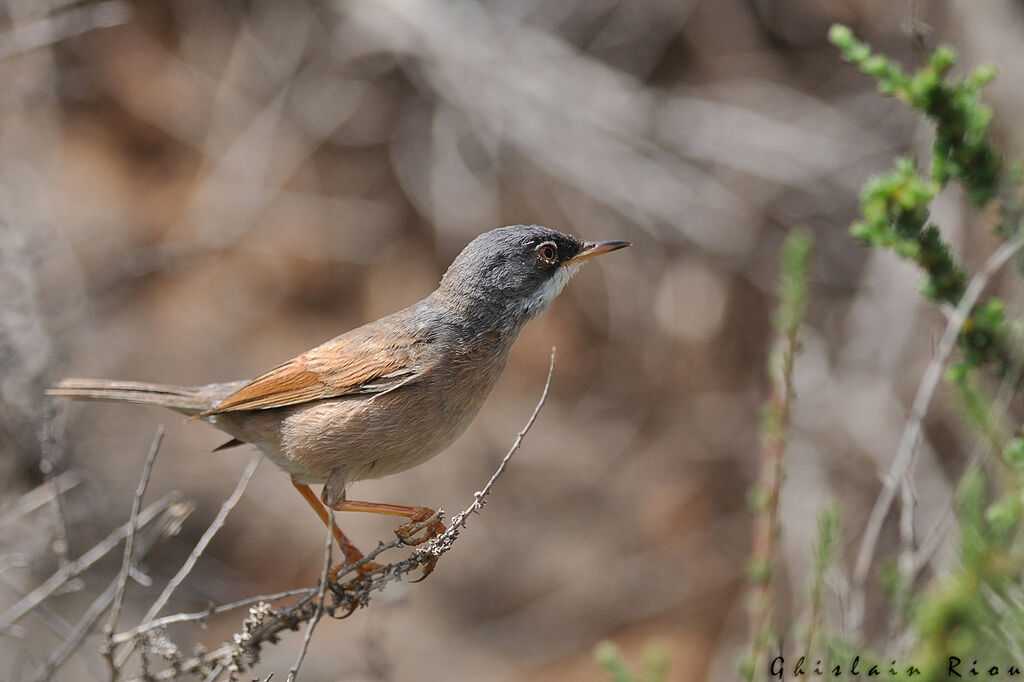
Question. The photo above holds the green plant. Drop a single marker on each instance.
(895, 205)
(973, 609)
(775, 416)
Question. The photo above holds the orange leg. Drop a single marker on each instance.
(420, 518)
(351, 552)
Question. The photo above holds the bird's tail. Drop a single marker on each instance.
(189, 400)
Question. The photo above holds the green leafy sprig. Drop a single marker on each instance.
(895, 205)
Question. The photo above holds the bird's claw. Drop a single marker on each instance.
(428, 568)
(424, 525)
(423, 520)
(355, 589)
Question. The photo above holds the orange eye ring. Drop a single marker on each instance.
(548, 252)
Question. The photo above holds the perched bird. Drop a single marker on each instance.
(391, 394)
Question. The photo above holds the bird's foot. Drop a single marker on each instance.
(424, 525)
(356, 590)
(428, 568)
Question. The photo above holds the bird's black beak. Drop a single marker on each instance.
(591, 249)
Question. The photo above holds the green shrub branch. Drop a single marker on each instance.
(895, 205)
(977, 610)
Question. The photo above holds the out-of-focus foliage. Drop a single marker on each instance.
(895, 206)
(654, 667)
(775, 419)
(972, 607)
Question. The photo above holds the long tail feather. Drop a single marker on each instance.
(189, 400)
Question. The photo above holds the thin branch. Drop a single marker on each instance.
(202, 616)
(109, 596)
(129, 545)
(72, 569)
(53, 621)
(40, 495)
(204, 541)
(197, 551)
(906, 454)
(61, 545)
(321, 591)
(774, 433)
(905, 557)
(74, 640)
(9, 561)
(932, 540)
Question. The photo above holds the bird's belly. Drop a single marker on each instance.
(370, 437)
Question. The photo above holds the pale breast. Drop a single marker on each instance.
(360, 437)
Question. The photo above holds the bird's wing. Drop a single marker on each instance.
(351, 364)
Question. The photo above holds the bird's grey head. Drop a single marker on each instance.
(512, 274)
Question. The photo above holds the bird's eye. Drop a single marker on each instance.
(548, 252)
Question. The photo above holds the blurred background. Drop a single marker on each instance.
(196, 191)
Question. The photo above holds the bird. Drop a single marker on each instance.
(388, 395)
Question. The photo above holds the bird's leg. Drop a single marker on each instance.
(420, 518)
(351, 552)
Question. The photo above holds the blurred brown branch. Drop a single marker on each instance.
(63, 24)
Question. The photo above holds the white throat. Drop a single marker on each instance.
(551, 289)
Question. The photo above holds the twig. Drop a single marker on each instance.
(197, 551)
(933, 538)
(263, 625)
(72, 569)
(774, 432)
(201, 616)
(129, 545)
(905, 561)
(52, 620)
(321, 591)
(906, 454)
(9, 561)
(61, 545)
(215, 526)
(72, 639)
(72, 642)
(938, 532)
(40, 495)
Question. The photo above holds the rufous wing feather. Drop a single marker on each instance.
(347, 365)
